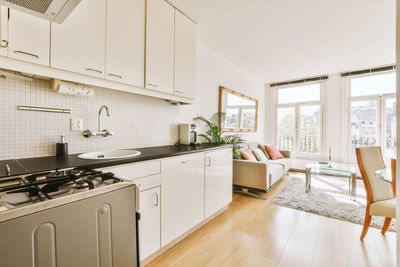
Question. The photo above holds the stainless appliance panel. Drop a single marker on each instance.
(95, 231)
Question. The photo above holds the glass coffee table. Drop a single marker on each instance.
(337, 170)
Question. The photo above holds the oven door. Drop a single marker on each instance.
(96, 231)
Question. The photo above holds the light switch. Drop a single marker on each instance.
(76, 124)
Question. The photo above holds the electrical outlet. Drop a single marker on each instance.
(76, 124)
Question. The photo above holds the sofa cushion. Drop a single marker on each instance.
(285, 162)
(247, 154)
(273, 152)
(275, 172)
(259, 154)
(262, 147)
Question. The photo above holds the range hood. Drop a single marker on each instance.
(53, 10)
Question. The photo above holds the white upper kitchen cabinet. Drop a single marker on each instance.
(3, 31)
(185, 56)
(160, 46)
(28, 38)
(217, 180)
(125, 41)
(182, 195)
(78, 44)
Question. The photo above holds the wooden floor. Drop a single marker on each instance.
(254, 232)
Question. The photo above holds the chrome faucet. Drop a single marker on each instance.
(99, 117)
(100, 132)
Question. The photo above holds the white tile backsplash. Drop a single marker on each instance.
(137, 121)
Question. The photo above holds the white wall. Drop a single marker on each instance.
(213, 71)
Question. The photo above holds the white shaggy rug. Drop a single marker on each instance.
(329, 197)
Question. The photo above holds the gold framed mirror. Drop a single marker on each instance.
(237, 112)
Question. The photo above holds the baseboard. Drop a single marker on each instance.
(180, 238)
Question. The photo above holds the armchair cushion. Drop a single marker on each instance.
(385, 208)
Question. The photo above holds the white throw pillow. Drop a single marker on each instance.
(259, 154)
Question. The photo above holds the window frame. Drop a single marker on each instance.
(380, 115)
(296, 105)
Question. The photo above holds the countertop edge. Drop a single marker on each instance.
(51, 163)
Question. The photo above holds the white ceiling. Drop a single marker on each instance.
(277, 40)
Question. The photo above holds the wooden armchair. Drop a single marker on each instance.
(380, 198)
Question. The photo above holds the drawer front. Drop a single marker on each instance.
(148, 182)
(135, 170)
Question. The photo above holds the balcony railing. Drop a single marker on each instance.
(311, 143)
(390, 144)
(308, 144)
(286, 142)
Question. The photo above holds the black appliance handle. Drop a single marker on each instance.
(137, 238)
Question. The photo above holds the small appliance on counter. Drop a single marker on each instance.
(188, 134)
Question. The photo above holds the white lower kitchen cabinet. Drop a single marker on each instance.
(149, 223)
(182, 195)
(218, 180)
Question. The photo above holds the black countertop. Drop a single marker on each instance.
(43, 164)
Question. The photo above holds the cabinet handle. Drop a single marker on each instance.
(26, 53)
(115, 75)
(179, 92)
(137, 194)
(94, 70)
(5, 43)
(151, 84)
(185, 161)
(208, 162)
(156, 195)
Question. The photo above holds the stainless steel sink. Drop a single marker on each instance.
(111, 154)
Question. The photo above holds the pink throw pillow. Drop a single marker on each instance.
(248, 155)
(274, 152)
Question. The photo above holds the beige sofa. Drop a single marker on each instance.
(261, 175)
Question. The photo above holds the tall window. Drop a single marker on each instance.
(372, 111)
(299, 118)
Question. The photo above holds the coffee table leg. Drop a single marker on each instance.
(308, 180)
(353, 186)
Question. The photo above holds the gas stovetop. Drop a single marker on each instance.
(22, 191)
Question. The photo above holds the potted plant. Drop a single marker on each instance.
(214, 135)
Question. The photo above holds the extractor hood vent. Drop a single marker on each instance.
(53, 10)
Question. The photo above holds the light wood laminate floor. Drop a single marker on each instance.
(254, 232)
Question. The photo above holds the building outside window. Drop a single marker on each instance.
(372, 112)
(299, 118)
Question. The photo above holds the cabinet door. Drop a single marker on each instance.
(160, 46)
(3, 31)
(218, 180)
(182, 195)
(78, 44)
(125, 41)
(149, 224)
(29, 38)
(185, 56)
